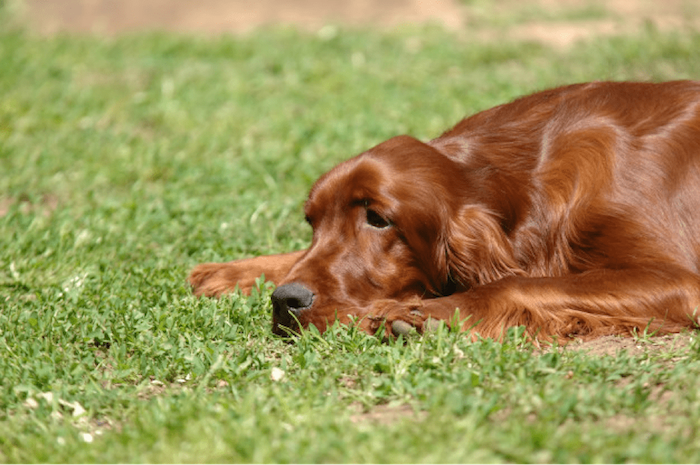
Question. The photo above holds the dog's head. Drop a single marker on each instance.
(400, 221)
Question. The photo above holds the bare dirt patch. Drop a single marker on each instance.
(231, 16)
(5, 205)
(613, 345)
(46, 205)
(557, 22)
(385, 414)
(615, 17)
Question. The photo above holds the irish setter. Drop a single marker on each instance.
(574, 212)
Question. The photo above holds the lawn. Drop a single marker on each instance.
(126, 161)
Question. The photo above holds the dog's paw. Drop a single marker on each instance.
(215, 279)
(401, 318)
(402, 328)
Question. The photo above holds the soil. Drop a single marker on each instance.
(242, 16)
(231, 16)
(612, 345)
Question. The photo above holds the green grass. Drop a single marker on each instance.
(485, 13)
(124, 162)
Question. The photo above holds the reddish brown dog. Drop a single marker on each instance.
(574, 212)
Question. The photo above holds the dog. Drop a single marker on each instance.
(574, 212)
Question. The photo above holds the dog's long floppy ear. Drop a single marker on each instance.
(477, 250)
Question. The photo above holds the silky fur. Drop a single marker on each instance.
(574, 212)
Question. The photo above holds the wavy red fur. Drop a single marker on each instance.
(574, 212)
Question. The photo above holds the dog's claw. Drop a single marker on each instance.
(431, 325)
(401, 328)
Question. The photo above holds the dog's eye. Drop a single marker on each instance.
(374, 219)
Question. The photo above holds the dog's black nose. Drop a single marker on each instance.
(287, 301)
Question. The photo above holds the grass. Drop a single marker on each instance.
(126, 161)
(485, 13)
